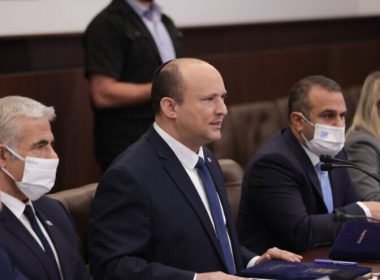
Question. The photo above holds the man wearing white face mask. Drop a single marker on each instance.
(36, 231)
(287, 201)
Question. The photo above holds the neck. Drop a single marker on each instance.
(170, 129)
(298, 136)
(9, 187)
(147, 4)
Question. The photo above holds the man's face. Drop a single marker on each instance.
(200, 116)
(325, 108)
(35, 140)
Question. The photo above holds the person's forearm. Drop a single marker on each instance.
(109, 93)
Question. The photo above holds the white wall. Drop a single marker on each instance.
(24, 17)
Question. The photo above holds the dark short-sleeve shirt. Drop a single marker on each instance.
(118, 44)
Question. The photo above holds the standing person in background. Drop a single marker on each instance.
(363, 139)
(123, 46)
(35, 230)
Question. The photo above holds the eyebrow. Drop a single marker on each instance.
(42, 142)
(330, 111)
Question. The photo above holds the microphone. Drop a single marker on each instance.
(340, 217)
(330, 159)
(331, 163)
(330, 166)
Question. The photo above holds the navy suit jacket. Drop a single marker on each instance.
(26, 254)
(148, 221)
(7, 271)
(282, 203)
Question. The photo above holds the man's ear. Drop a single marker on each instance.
(297, 122)
(169, 107)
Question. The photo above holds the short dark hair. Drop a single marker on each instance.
(167, 82)
(298, 95)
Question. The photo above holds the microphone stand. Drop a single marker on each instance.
(340, 217)
(347, 164)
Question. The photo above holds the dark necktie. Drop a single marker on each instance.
(217, 214)
(36, 228)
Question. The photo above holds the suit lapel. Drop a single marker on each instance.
(182, 181)
(55, 235)
(17, 229)
(304, 161)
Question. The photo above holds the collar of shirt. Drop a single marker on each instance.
(313, 157)
(142, 11)
(186, 156)
(16, 206)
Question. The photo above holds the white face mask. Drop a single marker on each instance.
(38, 177)
(327, 140)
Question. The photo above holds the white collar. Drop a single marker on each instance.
(15, 205)
(313, 157)
(185, 155)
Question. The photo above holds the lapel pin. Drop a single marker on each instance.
(209, 159)
(49, 223)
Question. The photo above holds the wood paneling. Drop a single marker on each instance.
(67, 91)
(258, 62)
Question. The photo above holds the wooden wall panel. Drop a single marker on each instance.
(269, 74)
(258, 62)
(67, 91)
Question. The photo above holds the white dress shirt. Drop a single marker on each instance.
(189, 159)
(315, 160)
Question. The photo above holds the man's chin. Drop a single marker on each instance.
(215, 137)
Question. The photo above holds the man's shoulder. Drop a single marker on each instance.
(141, 153)
(362, 137)
(118, 13)
(277, 144)
(47, 205)
(46, 201)
(281, 148)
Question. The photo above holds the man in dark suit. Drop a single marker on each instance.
(7, 271)
(286, 199)
(36, 231)
(152, 217)
(123, 45)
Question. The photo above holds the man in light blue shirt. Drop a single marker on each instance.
(123, 46)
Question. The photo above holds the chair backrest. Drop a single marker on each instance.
(245, 128)
(351, 96)
(77, 202)
(233, 176)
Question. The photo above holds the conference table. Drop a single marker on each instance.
(322, 252)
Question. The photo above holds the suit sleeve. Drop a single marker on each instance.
(366, 155)
(274, 188)
(104, 48)
(120, 232)
(7, 270)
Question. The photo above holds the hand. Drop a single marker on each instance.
(217, 276)
(374, 207)
(275, 253)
